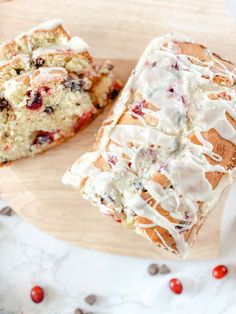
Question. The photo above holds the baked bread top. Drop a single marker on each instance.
(166, 152)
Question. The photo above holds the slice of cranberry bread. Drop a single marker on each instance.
(49, 89)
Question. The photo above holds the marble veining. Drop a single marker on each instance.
(69, 273)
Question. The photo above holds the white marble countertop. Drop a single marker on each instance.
(68, 273)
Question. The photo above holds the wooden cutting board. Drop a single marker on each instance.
(33, 188)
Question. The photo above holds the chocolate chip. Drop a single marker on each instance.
(49, 110)
(110, 66)
(6, 211)
(154, 64)
(98, 106)
(4, 104)
(74, 85)
(79, 311)
(90, 299)
(164, 269)
(43, 137)
(18, 71)
(39, 62)
(113, 94)
(153, 269)
(179, 227)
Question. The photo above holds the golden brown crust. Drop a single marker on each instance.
(11, 48)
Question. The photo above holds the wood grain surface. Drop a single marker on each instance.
(114, 29)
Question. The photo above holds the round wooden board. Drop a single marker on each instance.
(33, 188)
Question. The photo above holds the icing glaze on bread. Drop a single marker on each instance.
(166, 152)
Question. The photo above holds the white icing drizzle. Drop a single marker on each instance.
(48, 25)
(176, 88)
(75, 44)
(49, 75)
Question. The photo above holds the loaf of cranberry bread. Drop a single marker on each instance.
(49, 89)
(166, 152)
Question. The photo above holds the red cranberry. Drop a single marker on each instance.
(220, 271)
(176, 286)
(117, 219)
(112, 159)
(28, 93)
(37, 294)
(36, 102)
(137, 108)
(43, 137)
(44, 88)
(82, 121)
(175, 66)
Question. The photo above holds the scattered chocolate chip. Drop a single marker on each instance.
(6, 211)
(154, 64)
(79, 311)
(110, 66)
(113, 94)
(43, 137)
(98, 106)
(153, 269)
(164, 269)
(38, 62)
(4, 104)
(49, 110)
(90, 299)
(74, 85)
